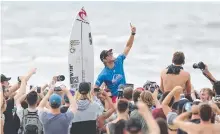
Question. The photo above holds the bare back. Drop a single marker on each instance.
(169, 81)
(205, 129)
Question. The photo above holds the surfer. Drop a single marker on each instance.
(174, 75)
(113, 75)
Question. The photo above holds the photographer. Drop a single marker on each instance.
(55, 122)
(216, 84)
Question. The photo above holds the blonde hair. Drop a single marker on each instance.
(210, 92)
(79, 96)
(147, 98)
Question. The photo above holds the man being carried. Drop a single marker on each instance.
(174, 75)
(113, 73)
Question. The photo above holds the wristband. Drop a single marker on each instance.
(133, 33)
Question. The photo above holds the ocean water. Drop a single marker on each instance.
(36, 34)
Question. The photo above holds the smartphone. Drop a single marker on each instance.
(38, 89)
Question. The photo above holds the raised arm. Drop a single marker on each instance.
(44, 100)
(22, 88)
(153, 127)
(73, 105)
(208, 73)
(130, 41)
(16, 86)
(176, 90)
(182, 124)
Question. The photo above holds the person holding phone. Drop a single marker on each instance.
(113, 73)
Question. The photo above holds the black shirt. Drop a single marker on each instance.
(12, 122)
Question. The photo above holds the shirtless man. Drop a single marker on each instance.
(174, 75)
(205, 126)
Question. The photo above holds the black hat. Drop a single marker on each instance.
(133, 125)
(4, 78)
(84, 87)
(104, 54)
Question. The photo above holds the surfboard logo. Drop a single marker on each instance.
(82, 14)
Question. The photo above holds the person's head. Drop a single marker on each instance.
(55, 101)
(164, 96)
(133, 126)
(179, 105)
(83, 91)
(205, 112)
(106, 56)
(178, 58)
(127, 93)
(119, 127)
(122, 106)
(136, 95)
(162, 125)
(5, 81)
(206, 94)
(147, 98)
(32, 99)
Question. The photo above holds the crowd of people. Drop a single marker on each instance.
(112, 106)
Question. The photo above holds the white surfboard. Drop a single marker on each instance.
(81, 55)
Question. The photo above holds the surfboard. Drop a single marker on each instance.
(81, 55)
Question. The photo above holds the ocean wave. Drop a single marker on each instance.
(213, 24)
(41, 59)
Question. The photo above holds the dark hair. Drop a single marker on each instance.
(205, 112)
(127, 93)
(32, 98)
(136, 95)
(162, 125)
(55, 106)
(122, 105)
(119, 127)
(24, 104)
(178, 58)
(164, 96)
(133, 125)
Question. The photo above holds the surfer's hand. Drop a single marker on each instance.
(34, 70)
(133, 29)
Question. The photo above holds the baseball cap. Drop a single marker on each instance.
(133, 125)
(158, 112)
(84, 87)
(55, 100)
(104, 54)
(4, 78)
(170, 118)
(179, 104)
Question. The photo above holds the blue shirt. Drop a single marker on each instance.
(113, 77)
(56, 124)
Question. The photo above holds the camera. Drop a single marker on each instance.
(60, 78)
(151, 86)
(200, 65)
(96, 89)
(38, 89)
(120, 91)
(19, 79)
(57, 88)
